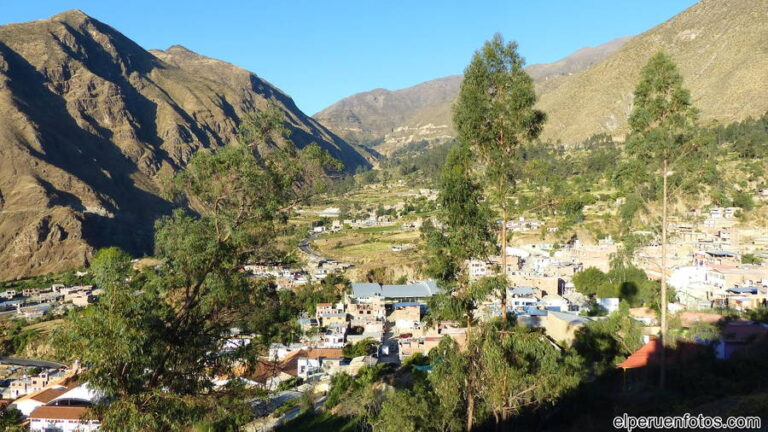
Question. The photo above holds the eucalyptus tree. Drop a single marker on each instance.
(154, 341)
(495, 116)
(463, 233)
(521, 368)
(662, 134)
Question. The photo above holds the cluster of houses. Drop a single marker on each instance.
(53, 400)
(33, 303)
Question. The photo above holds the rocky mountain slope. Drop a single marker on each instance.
(721, 47)
(389, 120)
(90, 124)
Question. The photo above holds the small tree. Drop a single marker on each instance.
(495, 115)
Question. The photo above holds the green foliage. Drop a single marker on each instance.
(341, 383)
(748, 258)
(607, 342)
(321, 422)
(465, 232)
(418, 163)
(623, 281)
(153, 341)
(331, 289)
(663, 116)
(364, 347)
(15, 337)
(9, 418)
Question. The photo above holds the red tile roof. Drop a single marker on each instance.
(650, 353)
(48, 395)
(59, 413)
(325, 353)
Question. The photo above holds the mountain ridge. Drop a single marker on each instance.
(92, 125)
(423, 111)
(721, 48)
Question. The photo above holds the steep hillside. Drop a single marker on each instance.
(391, 119)
(721, 47)
(91, 122)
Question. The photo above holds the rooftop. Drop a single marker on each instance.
(420, 289)
(59, 413)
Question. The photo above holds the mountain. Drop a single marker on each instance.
(389, 120)
(721, 47)
(91, 123)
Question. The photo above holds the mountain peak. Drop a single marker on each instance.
(72, 15)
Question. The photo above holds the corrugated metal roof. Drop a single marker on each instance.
(361, 289)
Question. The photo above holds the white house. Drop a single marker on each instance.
(315, 359)
(30, 402)
(62, 419)
(554, 302)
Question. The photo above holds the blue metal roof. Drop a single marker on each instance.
(522, 291)
(366, 289)
(570, 318)
(420, 289)
(721, 253)
(746, 290)
(533, 311)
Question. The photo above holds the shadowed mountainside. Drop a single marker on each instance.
(91, 122)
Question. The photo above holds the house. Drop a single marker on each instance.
(610, 304)
(8, 294)
(554, 302)
(335, 318)
(736, 335)
(307, 324)
(562, 326)
(650, 354)
(716, 258)
(368, 292)
(406, 315)
(408, 346)
(729, 277)
(62, 419)
(27, 404)
(521, 297)
(269, 374)
(335, 336)
(30, 384)
(328, 313)
(313, 361)
(278, 351)
(371, 311)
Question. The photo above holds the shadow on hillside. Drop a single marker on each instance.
(91, 158)
(697, 383)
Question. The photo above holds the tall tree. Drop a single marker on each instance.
(155, 340)
(495, 115)
(662, 130)
(464, 233)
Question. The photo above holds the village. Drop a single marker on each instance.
(376, 323)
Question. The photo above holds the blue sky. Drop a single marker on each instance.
(320, 51)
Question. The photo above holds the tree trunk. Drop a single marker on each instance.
(470, 413)
(504, 260)
(663, 302)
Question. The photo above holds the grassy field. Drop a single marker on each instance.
(369, 248)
